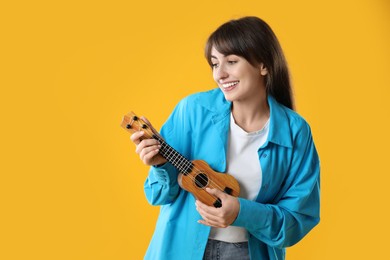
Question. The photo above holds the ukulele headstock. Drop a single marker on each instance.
(132, 123)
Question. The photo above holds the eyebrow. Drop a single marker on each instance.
(213, 57)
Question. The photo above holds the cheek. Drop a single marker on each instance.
(215, 76)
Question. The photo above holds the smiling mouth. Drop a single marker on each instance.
(229, 86)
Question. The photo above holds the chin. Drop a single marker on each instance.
(230, 97)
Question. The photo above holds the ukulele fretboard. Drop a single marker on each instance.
(179, 161)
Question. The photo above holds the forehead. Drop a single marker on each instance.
(215, 54)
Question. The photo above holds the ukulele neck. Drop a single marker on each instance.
(175, 158)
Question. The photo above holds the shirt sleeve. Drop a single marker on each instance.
(285, 222)
(161, 186)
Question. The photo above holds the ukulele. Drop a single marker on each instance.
(195, 176)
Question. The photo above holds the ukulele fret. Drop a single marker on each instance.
(177, 160)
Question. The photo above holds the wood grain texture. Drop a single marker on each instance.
(216, 180)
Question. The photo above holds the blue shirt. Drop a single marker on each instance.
(287, 206)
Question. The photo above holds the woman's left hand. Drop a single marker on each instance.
(219, 217)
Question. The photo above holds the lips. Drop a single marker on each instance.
(229, 86)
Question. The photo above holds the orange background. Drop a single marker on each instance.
(71, 185)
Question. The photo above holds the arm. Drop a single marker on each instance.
(161, 186)
(297, 211)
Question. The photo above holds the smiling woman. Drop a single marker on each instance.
(242, 84)
(247, 128)
(254, 41)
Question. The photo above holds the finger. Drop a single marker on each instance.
(136, 137)
(208, 213)
(217, 193)
(208, 209)
(204, 223)
(209, 218)
(146, 143)
(205, 208)
(145, 153)
(215, 221)
(148, 158)
(212, 223)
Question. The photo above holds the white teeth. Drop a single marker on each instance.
(229, 84)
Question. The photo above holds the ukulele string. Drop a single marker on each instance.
(198, 183)
(212, 184)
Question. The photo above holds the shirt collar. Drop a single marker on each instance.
(279, 125)
(279, 128)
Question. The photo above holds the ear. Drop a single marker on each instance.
(263, 69)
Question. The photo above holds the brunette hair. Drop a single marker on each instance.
(253, 39)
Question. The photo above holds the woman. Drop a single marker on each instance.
(246, 127)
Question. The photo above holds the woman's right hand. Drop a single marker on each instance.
(148, 149)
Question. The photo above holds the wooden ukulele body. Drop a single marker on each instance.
(202, 177)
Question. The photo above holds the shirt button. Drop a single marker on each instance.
(265, 155)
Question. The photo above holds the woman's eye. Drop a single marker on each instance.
(232, 61)
(214, 65)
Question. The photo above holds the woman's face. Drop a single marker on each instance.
(236, 77)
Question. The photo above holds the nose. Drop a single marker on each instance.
(220, 73)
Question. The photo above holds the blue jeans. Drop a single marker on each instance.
(218, 250)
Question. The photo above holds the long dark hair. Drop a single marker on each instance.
(253, 39)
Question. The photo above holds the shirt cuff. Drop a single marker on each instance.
(165, 174)
(251, 215)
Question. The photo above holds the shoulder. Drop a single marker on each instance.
(297, 121)
(212, 100)
(198, 105)
(286, 124)
(191, 113)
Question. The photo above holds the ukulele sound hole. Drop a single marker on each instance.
(201, 180)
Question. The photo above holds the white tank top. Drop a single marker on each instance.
(243, 163)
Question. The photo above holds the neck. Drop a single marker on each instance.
(174, 157)
(251, 116)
